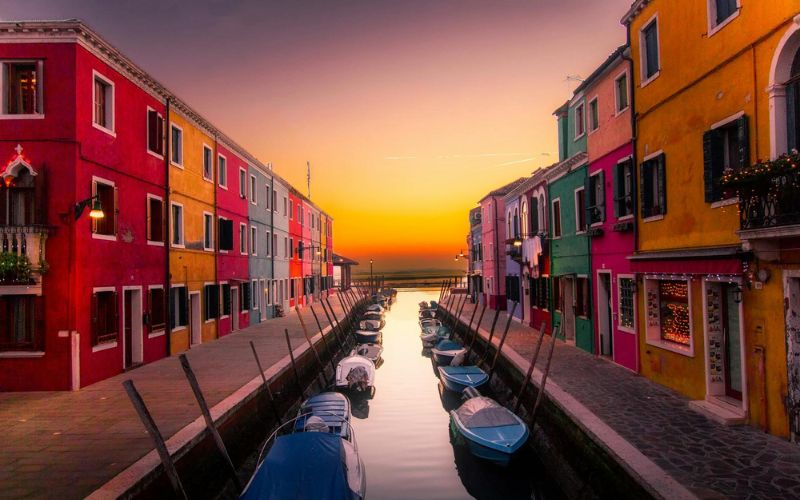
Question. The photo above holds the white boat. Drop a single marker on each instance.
(355, 374)
(371, 324)
(430, 323)
(376, 308)
(371, 351)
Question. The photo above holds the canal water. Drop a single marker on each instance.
(403, 433)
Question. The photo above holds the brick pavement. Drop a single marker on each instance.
(67, 444)
(711, 460)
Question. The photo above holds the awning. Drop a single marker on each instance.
(717, 260)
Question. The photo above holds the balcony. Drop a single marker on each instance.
(22, 259)
(514, 249)
(769, 198)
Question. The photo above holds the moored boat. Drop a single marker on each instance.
(367, 336)
(446, 350)
(372, 351)
(355, 374)
(371, 324)
(491, 431)
(458, 378)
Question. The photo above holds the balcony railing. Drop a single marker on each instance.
(24, 242)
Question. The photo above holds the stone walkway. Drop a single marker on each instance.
(68, 444)
(709, 459)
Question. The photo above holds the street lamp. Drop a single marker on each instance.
(371, 284)
(95, 213)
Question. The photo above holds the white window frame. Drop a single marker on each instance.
(179, 163)
(560, 218)
(40, 90)
(653, 333)
(652, 218)
(101, 180)
(219, 218)
(147, 139)
(254, 297)
(222, 180)
(596, 126)
(643, 51)
(177, 312)
(253, 190)
(732, 200)
(114, 344)
(182, 244)
(208, 148)
(253, 240)
(243, 239)
(578, 211)
(109, 102)
(625, 73)
(242, 183)
(631, 215)
(222, 314)
(619, 326)
(209, 237)
(148, 216)
(582, 122)
(713, 28)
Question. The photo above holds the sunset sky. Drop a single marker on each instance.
(408, 110)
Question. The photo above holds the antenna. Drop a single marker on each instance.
(308, 177)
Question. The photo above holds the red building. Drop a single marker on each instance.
(295, 243)
(81, 299)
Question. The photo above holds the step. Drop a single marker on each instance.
(719, 411)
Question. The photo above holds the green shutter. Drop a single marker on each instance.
(601, 201)
(647, 197)
(743, 134)
(661, 165)
(616, 182)
(587, 204)
(713, 157)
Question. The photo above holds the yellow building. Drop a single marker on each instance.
(704, 93)
(192, 222)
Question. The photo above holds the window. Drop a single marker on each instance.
(106, 194)
(291, 248)
(621, 92)
(275, 202)
(284, 207)
(291, 209)
(580, 210)
(594, 115)
(210, 302)
(155, 132)
(627, 287)
(225, 232)
(103, 99)
(722, 10)
(254, 291)
(540, 290)
(725, 149)
(21, 323)
(556, 218)
(157, 304)
(558, 293)
(274, 245)
(179, 312)
(596, 198)
(623, 188)
(580, 121)
(285, 247)
(242, 239)
(105, 317)
(222, 174)
(155, 219)
(269, 251)
(253, 190)
(176, 145)
(244, 303)
(654, 198)
(208, 231)
(650, 51)
(267, 198)
(668, 313)
(226, 299)
(242, 183)
(23, 88)
(253, 240)
(792, 111)
(176, 232)
(512, 288)
(208, 163)
(582, 297)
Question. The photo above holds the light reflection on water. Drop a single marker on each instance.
(403, 432)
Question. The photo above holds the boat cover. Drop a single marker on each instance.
(358, 378)
(484, 412)
(448, 345)
(302, 465)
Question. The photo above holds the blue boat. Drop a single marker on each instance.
(446, 350)
(332, 407)
(458, 378)
(309, 465)
(491, 431)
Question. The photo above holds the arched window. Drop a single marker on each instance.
(793, 105)
(542, 214)
(516, 222)
(524, 224)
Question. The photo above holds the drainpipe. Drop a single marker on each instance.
(167, 270)
(272, 233)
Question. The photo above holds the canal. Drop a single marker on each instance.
(403, 432)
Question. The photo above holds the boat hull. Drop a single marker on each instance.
(483, 452)
(456, 383)
(367, 337)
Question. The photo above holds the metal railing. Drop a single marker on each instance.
(771, 202)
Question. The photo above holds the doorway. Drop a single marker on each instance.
(133, 352)
(569, 309)
(791, 290)
(262, 309)
(723, 318)
(195, 326)
(605, 328)
(235, 308)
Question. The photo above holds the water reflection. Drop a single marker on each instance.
(404, 431)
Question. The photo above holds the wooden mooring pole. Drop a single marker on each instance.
(502, 339)
(210, 424)
(266, 385)
(294, 365)
(477, 329)
(324, 339)
(155, 434)
(311, 345)
(491, 335)
(528, 375)
(544, 376)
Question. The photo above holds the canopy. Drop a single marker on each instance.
(301, 465)
(484, 412)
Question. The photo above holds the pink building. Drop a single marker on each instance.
(493, 226)
(610, 204)
(233, 265)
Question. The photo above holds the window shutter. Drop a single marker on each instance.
(40, 193)
(149, 222)
(712, 163)
(160, 135)
(215, 301)
(184, 306)
(601, 201)
(116, 209)
(115, 315)
(647, 197)
(661, 165)
(38, 323)
(94, 319)
(171, 307)
(152, 130)
(616, 182)
(95, 222)
(743, 132)
(149, 309)
(587, 202)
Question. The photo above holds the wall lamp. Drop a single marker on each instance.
(95, 213)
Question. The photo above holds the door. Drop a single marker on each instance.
(604, 315)
(128, 328)
(235, 308)
(731, 332)
(264, 297)
(196, 327)
(569, 309)
(792, 311)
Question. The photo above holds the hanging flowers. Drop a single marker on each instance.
(762, 170)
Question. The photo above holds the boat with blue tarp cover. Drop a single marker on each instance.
(332, 407)
(491, 431)
(446, 350)
(457, 378)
